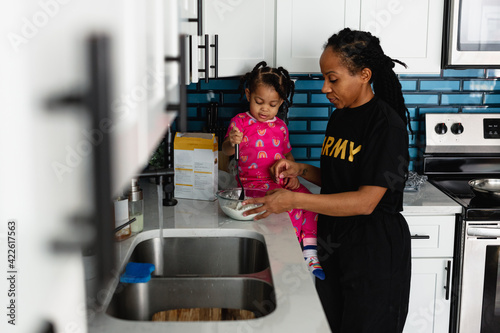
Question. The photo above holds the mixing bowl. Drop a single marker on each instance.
(231, 205)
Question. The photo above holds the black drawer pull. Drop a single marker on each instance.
(448, 276)
(420, 236)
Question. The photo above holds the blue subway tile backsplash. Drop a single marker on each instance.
(482, 85)
(308, 112)
(440, 85)
(451, 91)
(462, 99)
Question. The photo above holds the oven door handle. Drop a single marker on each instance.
(483, 232)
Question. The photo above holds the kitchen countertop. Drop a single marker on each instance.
(298, 306)
(428, 200)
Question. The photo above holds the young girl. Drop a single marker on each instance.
(263, 139)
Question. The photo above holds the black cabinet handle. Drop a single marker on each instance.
(182, 106)
(99, 104)
(215, 66)
(448, 276)
(206, 70)
(199, 19)
(190, 56)
(182, 83)
(420, 236)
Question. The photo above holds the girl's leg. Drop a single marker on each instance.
(308, 232)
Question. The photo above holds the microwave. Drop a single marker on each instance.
(472, 34)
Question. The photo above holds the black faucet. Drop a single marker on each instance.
(165, 176)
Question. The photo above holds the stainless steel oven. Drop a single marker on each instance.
(481, 269)
(472, 33)
(461, 147)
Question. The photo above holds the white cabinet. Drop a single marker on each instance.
(245, 32)
(292, 33)
(432, 261)
(189, 22)
(429, 310)
(45, 85)
(302, 29)
(410, 31)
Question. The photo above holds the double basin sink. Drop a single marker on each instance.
(226, 269)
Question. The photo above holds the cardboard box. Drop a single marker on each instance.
(196, 166)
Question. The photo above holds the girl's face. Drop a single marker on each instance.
(343, 89)
(264, 102)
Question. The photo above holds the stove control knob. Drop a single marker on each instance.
(457, 128)
(441, 128)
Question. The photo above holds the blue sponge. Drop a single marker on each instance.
(136, 272)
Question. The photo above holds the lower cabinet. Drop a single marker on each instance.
(429, 310)
(432, 260)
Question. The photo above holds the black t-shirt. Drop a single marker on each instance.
(366, 145)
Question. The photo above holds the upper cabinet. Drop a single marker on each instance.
(302, 29)
(291, 33)
(410, 31)
(245, 31)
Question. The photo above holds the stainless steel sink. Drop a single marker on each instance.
(140, 301)
(203, 256)
(219, 269)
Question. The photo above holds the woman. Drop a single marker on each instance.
(363, 240)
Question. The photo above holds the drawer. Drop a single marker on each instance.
(432, 236)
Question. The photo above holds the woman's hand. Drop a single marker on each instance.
(285, 169)
(274, 202)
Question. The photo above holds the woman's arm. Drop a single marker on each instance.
(289, 157)
(360, 202)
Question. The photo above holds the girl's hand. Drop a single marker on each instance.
(235, 136)
(292, 183)
(275, 201)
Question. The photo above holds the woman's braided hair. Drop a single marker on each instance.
(360, 49)
(278, 78)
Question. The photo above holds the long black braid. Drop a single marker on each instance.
(278, 78)
(360, 49)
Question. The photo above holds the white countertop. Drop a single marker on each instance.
(428, 200)
(298, 307)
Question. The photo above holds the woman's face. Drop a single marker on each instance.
(264, 102)
(343, 89)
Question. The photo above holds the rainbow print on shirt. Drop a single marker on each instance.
(262, 154)
(253, 166)
(251, 122)
(278, 156)
(259, 143)
(261, 132)
(244, 158)
(276, 142)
